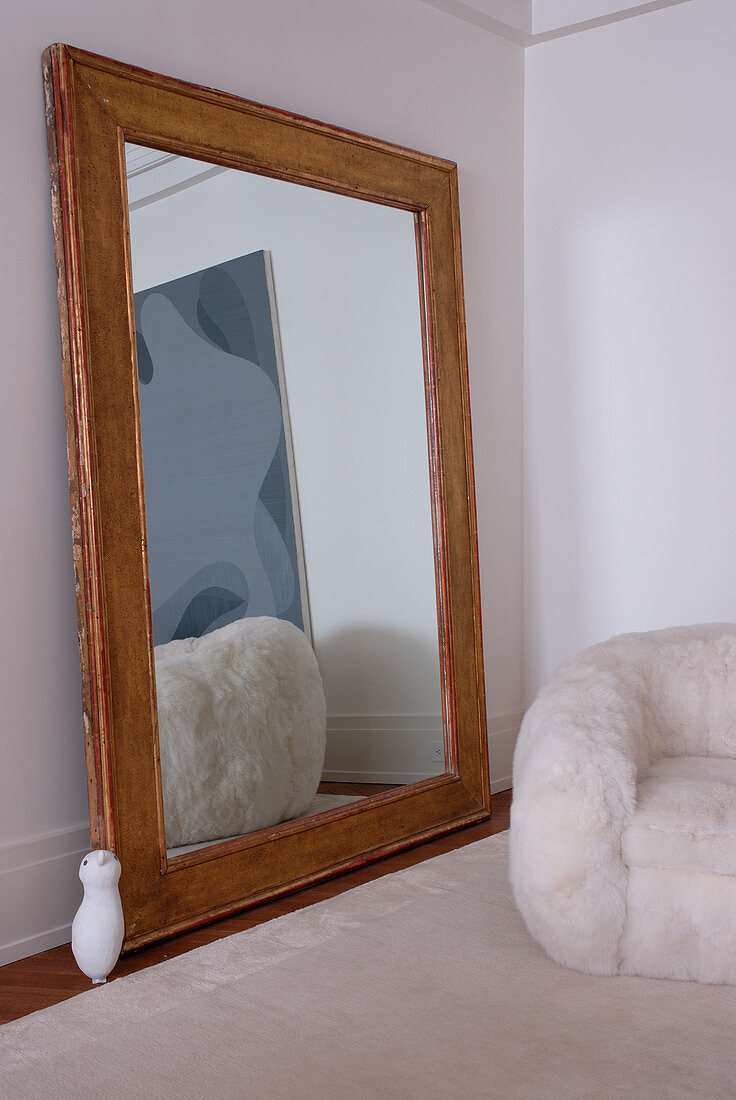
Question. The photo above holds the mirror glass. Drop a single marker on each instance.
(285, 463)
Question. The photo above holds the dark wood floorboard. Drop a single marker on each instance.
(52, 976)
(363, 789)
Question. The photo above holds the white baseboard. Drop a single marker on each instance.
(398, 749)
(40, 891)
(370, 748)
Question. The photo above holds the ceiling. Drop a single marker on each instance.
(527, 22)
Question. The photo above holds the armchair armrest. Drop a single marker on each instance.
(575, 771)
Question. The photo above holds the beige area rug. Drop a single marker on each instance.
(422, 984)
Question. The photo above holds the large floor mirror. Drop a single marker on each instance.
(272, 496)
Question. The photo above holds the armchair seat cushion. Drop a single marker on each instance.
(685, 816)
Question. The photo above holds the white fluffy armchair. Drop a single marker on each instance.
(623, 825)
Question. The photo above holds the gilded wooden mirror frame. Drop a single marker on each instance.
(94, 105)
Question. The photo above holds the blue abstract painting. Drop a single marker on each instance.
(221, 513)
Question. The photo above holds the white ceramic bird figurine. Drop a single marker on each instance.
(99, 926)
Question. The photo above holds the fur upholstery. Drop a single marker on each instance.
(623, 824)
(241, 716)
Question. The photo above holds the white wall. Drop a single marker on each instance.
(401, 71)
(630, 387)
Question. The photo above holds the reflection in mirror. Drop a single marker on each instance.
(285, 462)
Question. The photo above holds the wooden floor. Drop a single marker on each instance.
(52, 976)
(362, 790)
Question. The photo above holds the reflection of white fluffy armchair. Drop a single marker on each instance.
(623, 826)
(241, 729)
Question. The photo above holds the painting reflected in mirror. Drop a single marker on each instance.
(286, 476)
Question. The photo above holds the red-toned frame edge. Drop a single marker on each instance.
(93, 105)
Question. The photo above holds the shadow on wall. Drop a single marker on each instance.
(372, 670)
